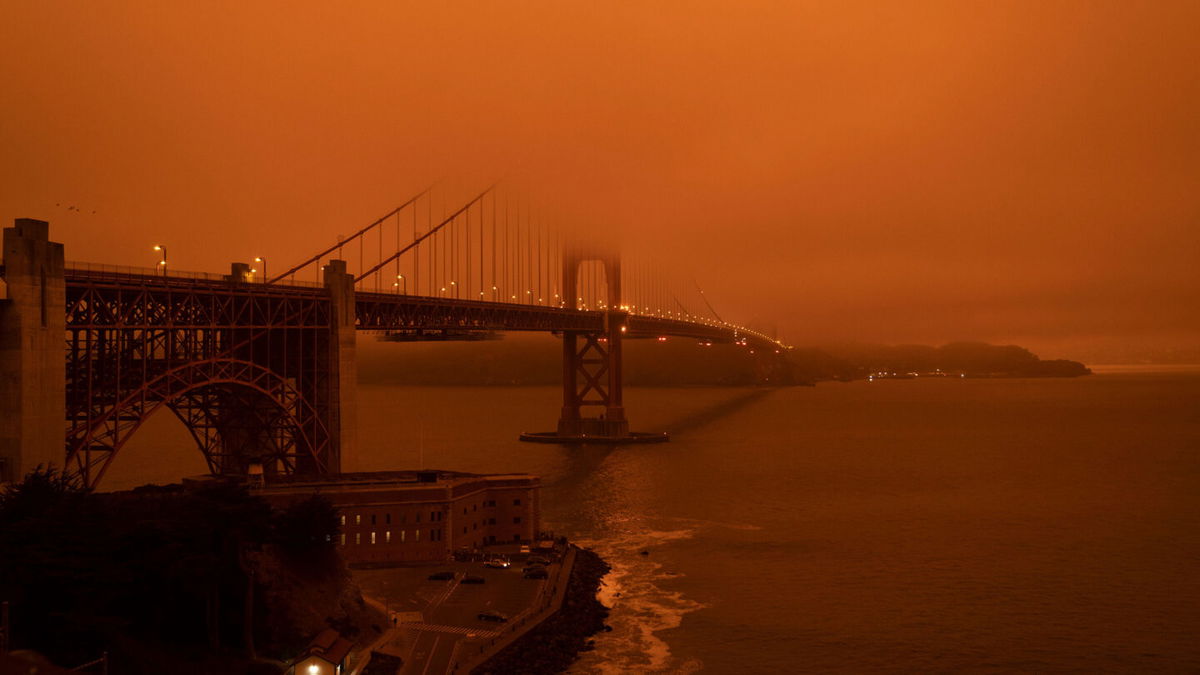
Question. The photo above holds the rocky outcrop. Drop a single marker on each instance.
(557, 642)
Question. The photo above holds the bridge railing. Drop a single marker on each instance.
(127, 272)
(101, 270)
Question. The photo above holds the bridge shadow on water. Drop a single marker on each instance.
(709, 414)
(584, 461)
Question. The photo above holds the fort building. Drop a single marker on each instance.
(415, 516)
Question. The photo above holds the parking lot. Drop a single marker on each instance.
(432, 616)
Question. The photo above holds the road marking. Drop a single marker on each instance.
(441, 597)
(432, 651)
(460, 630)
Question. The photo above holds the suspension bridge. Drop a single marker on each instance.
(260, 367)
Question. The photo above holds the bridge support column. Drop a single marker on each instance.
(592, 369)
(32, 367)
(598, 363)
(343, 368)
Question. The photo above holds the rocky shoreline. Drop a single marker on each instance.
(553, 646)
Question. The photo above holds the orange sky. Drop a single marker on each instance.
(889, 171)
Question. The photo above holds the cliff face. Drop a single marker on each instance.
(297, 605)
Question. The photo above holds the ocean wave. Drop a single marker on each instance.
(641, 607)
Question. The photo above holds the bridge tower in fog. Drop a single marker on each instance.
(592, 360)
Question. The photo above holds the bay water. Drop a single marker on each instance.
(927, 525)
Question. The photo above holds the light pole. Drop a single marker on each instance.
(264, 267)
(454, 285)
(400, 280)
(494, 290)
(163, 262)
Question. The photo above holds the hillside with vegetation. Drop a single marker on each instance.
(207, 579)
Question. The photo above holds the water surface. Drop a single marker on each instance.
(1048, 525)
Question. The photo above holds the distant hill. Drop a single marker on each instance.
(520, 359)
(973, 359)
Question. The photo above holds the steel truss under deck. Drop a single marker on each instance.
(246, 367)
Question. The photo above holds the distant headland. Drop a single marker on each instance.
(535, 360)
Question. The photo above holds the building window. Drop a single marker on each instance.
(491, 521)
(372, 518)
(343, 540)
(516, 537)
(357, 538)
(516, 520)
(464, 529)
(372, 536)
(357, 519)
(343, 521)
(387, 537)
(516, 502)
(464, 510)
(474, 526)
(402, 535)
(418, 518)
(416, 535)
(387, 519)
(472, 508)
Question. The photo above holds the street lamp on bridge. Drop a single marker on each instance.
(163, 262)
(397, 284)
(263, 261)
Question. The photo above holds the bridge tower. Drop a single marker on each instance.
(592, 362)
(342, 370)
(32, 369)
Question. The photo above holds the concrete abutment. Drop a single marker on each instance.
(32, 367)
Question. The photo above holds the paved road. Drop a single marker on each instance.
(450, 609)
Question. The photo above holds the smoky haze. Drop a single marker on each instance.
(894, 172)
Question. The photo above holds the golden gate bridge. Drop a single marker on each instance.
(261, 367)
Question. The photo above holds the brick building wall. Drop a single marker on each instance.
(395, 517)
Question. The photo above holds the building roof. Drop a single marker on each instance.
(328, 645)
(410, 481)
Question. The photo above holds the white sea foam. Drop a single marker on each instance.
(641, 607)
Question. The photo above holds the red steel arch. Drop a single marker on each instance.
(200, 393)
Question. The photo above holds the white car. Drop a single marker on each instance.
(497, 562)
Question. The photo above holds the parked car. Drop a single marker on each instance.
(537, 573)
(472, 579)
(533, 567)
(492, 615)
(541, 560)
(499, 563)
(441, 576)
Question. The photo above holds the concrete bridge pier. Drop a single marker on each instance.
(32, 367)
